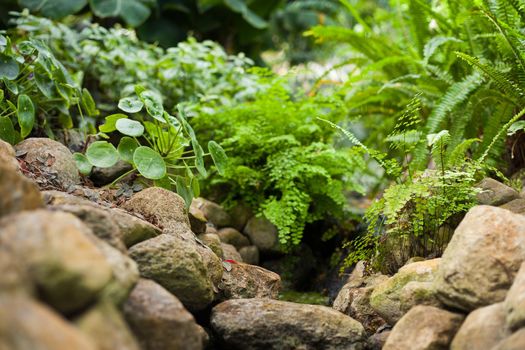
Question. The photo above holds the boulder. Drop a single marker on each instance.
(213, 212)
(482, 330)
(377, 340)
(198, 221)
(495, 193)
(514, 342)
(8, 156)
(242, 281)
(49, 162)
(240, 215)
(250, 254)
(270, 324)
(231, 236)
(17, 193)
(213, 241)
(424, 328)
(61, 260)
(177, 266)
(230, 253)
(212, 261)
(29, 325)
(515, 301)
(411, 285)
(481, 260)
(159, 320)
(263, 234)
(516, 206)
(108, 329)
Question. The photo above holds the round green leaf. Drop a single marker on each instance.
(26, 114)
(111, 121)
(126, 148)
(153, 103)
(102, 154)
(7, 131)
(129, 127)
(130, 104)
(149, 163)
(83, 164)
(8, 67)
(220, 159)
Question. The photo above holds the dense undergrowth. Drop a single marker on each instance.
(432, 90)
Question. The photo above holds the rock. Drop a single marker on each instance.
(229, 252)
(495, 193)
(104, 176)
(295, 268)
(263, 234)
(53, 197)
(240, 215)
(515, 342)
(210, 228)
(411, 285)
(161, 207)
(213, 241)
(378, 340)
(516, 206)
(16, 192)
(28, 325)
(482, 330)
(8, 156)
(250, 254)
(482, 258)
(213, 212)
(49, 162)
(270, 324)
(198, 221)
(242, 281)
(515, 301)
(133, 230)
(424, 328)
(159, 320)
(99, 221)
(61, 260)
(108, 329)
(231, 236)
(354, 301)
(212, 261)
(177, 266)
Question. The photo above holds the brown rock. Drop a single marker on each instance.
(197, 220)
(213, 212)
(16, 192)
(248, 281)
(213, 241)
(250, 254)
(231, 236)
(516, 206)
(495, 193)
(515, 301)
(229, 252)
(515, 342)
(240, 215)
(8, 156)
(263, 234)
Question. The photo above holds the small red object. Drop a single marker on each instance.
(231, 261)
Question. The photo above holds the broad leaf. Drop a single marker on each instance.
(111, 121)
(54, 8)
(149, 163)
(126, 148)
(130, 104)
(26, 115)
(153, 103)
(102, 154)
(8, 68)
(83, 164)
(133, 12)
(220, 159)
(129, 127)
(89, 104)
(7, 131)
(184, 190)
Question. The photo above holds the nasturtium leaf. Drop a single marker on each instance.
(7, 130)
(149, 163)
(26, 115)
(130, 104)
(153, 103)
(45, 84)
(126, 148)
(129, 127)
(102, 154)
(111, 121)
(10, 85)
(184, 190)
(83, 164)
(220, 159)
(8, 67)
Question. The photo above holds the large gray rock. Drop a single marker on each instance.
(495, 193)
(516, 206)
(108, 329)
(250, 254)
(159, 320)
(60, 258)
(515, 301)
(424, 328)
(231, 236)
(481, 260)
(270, 324)
(229, 252)
(49, 162)
(514, 342)
(17, 193)
(213, 212)
(28, 325)
(241, 281)
(240, 215)
(176, 265)
(8, 156)
(411, 285)
(263, 234)
(213, 242)
(482, 330)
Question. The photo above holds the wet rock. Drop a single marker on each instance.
(8, 156)
(213, 241)
(424, 328)
(270, 324)
(482, 330)
(198, 221)
(54, 248)
(263, 234)
(514, 342)
(411, 286)
(229, 252)
(26, 324)
(481, 260)
(495, 193)
(159, 320)
(240, 215)
(104, 176)
(177, 266)
(49, 162)
(240, 281)
(516, 206)
(250, 254)
(16, 192)
(108, 329)
(231, 236)
(213, 212)
(515, 301)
